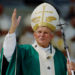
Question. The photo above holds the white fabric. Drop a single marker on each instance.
(9, 45)
(44, 62)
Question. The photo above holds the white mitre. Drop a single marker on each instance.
(44, 15)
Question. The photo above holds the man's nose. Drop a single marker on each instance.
(42, 34)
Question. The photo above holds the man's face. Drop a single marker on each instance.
(43, 36)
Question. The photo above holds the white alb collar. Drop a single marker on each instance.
(40, 49)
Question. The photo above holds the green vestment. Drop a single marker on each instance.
(27, 62)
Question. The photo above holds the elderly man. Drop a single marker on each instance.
(40, 58)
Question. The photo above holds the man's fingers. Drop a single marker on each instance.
(69, 69)
(18, 20)
(14, 14)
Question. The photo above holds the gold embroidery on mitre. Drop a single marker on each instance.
(50, 18)
(40, 20)
(50, 26)
(36, 19)
(43, 12)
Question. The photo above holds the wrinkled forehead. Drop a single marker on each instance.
(43, 28)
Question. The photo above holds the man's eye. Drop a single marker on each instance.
(39, 32)
(45, 32)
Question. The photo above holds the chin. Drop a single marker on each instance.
(42, 42)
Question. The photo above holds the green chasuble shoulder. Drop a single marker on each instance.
(28, 63)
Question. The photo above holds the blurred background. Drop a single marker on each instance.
(65, 8)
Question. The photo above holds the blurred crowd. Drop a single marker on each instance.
(26, 36)
(5, 22)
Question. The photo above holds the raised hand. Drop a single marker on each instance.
(15, 22)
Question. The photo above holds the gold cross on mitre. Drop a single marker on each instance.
(48, 19)
(44, 6)
(39, 18)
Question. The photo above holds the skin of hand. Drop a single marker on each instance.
(70, 66)
(15, 22)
